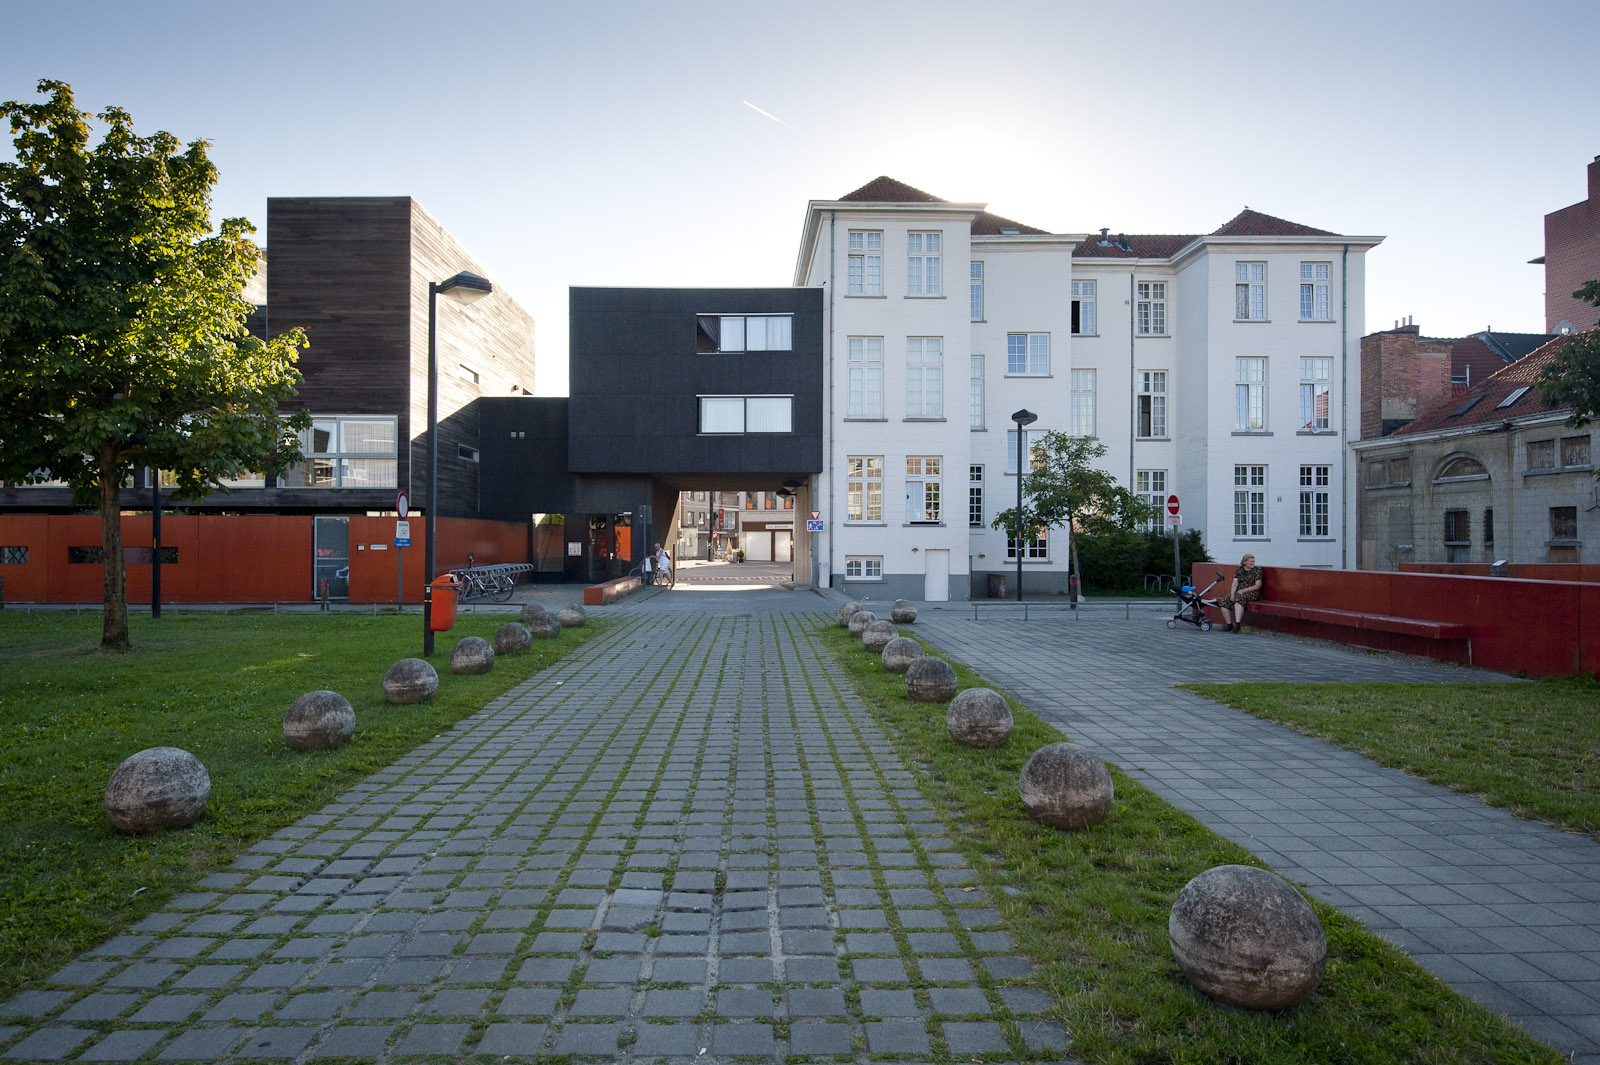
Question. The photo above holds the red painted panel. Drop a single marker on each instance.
(373, 573)
(28, 583)
(1589, 630)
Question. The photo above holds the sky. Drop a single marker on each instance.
(676, 145)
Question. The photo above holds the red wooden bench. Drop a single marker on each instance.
(1355, 619)
(609, 591)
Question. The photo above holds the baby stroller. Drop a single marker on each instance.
(1192, 606)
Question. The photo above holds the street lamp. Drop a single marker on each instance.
(470, 285)
(1023, 418)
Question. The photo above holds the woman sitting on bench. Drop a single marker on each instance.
(1246, 588)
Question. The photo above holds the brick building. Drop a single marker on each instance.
(1404, 373)
(1571, 258)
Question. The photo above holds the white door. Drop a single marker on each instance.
(783, 546)
(758, 546)
(936, 581)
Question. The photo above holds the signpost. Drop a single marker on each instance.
(402, 540)
(1175, 519)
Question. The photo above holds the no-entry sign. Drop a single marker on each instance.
(1172, 504)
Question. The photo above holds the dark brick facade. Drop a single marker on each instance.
(1572, 257)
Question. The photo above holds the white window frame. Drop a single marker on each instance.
(1316, 280)
(1249, 291)
(975, 291)
(1250, 502)
(924, 489)
(1036, 550)
(350, 460)
(1081, 404)
(865, 377)
(864, 488)
(864, 265)
(1029, 437)
(1316, 381)
(742, 411)
(975, 396)
(1027, 354)
(1315, 501)
(1083, 297)
(863, 567)
(737, 333)
(1250, 394)
(924, 377)
(1151, 487)
(975, 496)
(1151, 415)
(1152, 308)
(925, 262)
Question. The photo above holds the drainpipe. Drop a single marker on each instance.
(1344, 408)
(832, 465)
(1133, 383)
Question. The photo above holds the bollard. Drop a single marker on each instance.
(324, 596)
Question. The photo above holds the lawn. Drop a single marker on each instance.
(216, 685)
(1531, 748)
(1091, 907)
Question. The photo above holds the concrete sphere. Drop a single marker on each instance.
(860, 620)
(161, 787)
(904, 611)
(1066, 786)
(410, 680)
(847, 610)
(472, 654)
(543, 625)
(876, 637)
(319, 721)
(572, 616)
(931, 680)
(1246, 938)
(979, 717)
(512, 637)
(899, 653)
(529, 612)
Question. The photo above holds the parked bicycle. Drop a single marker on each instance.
(475, 582)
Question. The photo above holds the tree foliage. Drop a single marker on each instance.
(122, 321)
(1573, 378)
(1065, 490)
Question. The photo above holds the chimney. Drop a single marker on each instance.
(1594, 180)
(1105, 238)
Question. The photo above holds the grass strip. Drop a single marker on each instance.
(1532, 748)
(1091, 908)
(218, 686)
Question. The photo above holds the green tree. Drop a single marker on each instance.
(122, 322)
(1064, 490)
(1573, 379)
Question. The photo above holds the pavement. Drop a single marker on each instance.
(688, 841)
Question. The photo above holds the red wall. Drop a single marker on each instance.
(1582, 572)
(1538, 627)
(239, 559)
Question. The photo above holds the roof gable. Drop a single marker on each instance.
(1482, 403)
(1248, 223)
(1134, 246)
(887, 190)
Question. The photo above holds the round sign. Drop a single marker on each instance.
(1172, 504)
(402, 504)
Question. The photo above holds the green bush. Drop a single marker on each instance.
(1116, 562)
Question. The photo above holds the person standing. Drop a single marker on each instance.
(1248, 581)
(663, 564)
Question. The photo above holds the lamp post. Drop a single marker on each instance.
(1023, 418)
(466, 283)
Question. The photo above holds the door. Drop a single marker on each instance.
(936, 578)
(783, 545)
(331, 543)
(758, 546)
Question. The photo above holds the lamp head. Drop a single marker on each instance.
(466, 283)
(1024, 417)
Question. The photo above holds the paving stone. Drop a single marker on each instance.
(277, 1042)
(594, 1040)
(896, 1037)
(818, 1038)
(545, 970)
(513, 1040)
(1026, 999)
(50, 1044)
(746, 1002)
(880, 1003)
(667, 1040)
(957, 1001)
(601, 1002)
(145, 974)
(203, 1044)
(384, 1005)
(433, 1038)
(126, 1045)
(100, 1006)
(1043, 1035)
(672, 1003)
(530, 1002)
(816, 1002)
(754, 1040)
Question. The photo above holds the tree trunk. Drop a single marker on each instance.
(114, 634)
(1077, 567)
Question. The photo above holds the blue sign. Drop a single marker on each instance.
(813, 526)
(402, 541)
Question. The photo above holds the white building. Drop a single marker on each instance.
(1221, 367)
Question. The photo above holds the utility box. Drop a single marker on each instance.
(442, 617)
(997, 586)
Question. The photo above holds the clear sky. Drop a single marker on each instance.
(614, 144)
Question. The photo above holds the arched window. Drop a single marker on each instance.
(1461, 468)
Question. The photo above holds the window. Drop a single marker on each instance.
(1151, 486)
(353, 452)
(1029, 441)
(1028, 353)
(922, 488)
(1250, 395)
(750, 499)
(1250, 292)
(746, 414)
(866, 377)
(1512, 397)
(865, 270)
(769, 501)
(1563, 523)
(975, 393)
(1249, 501)
(864, 488)
(466, 454)
(18, 556)
(974, 497)
(131, 556)
(1316, 385)
(923, 264)
(924, 377)
(1541, 454)
(863, 568)
(469, 374)
(1081, 403)
(1152, 399)
(1457, 536)
(1574, 451)
(1031, 549)
(975, 290)
(1463, 468)
(1314, 500)
(769, 332)
(1083, 308)
(1488, 530)
(1400, 470)
(1152, 308)
(1314, 302)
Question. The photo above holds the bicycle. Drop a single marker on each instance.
(496, 586)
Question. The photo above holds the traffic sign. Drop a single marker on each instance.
(815, 514)
(1174, 520)
(814, 525)
(402, 531)
(1172, 505)
(402, 504)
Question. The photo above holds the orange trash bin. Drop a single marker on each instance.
(443, 616)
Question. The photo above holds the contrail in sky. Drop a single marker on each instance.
(758, 111)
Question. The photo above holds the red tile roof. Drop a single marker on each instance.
(887, 190)
(1486, 397)
(987, 224)
(1140, 246)
(1248, 223)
